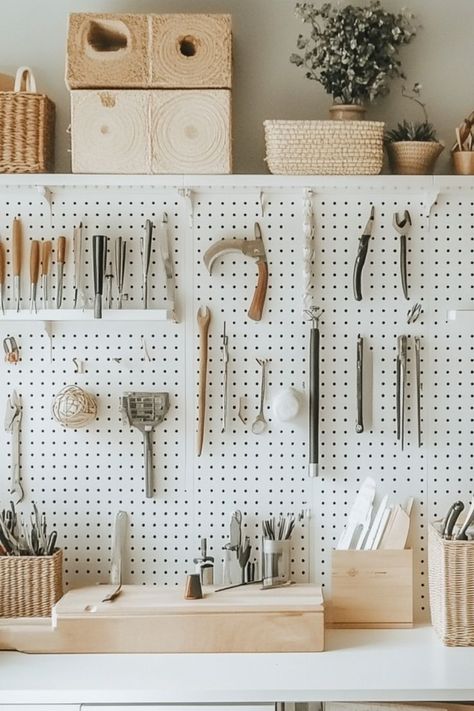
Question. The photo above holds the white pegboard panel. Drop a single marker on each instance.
(83, 477)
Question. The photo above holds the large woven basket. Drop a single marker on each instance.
(324, 147)
(451, 579)
(30, 585)
(26, 128)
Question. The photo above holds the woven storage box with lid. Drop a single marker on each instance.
(324, 147)
(30, 585)
(451, 578)
(26, 128)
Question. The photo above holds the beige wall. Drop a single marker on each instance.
(265, 84)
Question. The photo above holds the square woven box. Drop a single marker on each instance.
(30, 585)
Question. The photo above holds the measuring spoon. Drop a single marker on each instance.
(259, 425)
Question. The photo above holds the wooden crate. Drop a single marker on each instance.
(372, 589)
(109, 131)
(191, 131)
(191, 51)
(107, 50)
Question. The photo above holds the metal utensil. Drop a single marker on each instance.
(12, 424)
(146, 243)
(362, 255)
(78, 256)
(414, 313)
(462, 535)
(145, 411)
(99, 251)
(118, 555)
(203, 320)
(259, 425)
(451, 518)
(109, 277)
(3, 274)
(12, 352)
(17, 256)
(401, 388)
(225, 376)
(417, 346)
(34, 273)
(165, 248)
(61, 260)
(46, 249)
(314, 315)
(243, 556)
(401, 225)
(360, 384)
(120, 262)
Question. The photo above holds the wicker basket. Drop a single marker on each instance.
(413, 157)
(451, 578)
(26, 128)
(30, 586)
(324, 147)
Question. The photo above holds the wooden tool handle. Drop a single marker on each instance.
(17, 245)
(46, 248)
(62, 250)
(256, 307)
(203, 319)
(3, 263)
(34, 261)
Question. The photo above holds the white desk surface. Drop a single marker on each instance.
(358, 665)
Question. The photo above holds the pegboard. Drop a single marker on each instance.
(85, 476)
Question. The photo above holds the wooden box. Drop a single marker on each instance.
(148, 619)
(191, 131)
(191, 51)
(107, 50)
(372, 589)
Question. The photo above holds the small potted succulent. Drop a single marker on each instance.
(413, 147)
(353, 52)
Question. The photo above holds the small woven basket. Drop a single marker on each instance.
(30, 585)
(324, 147)
(413, 157)
(451, 580)
(26, 127)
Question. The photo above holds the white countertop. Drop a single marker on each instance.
(359, 665)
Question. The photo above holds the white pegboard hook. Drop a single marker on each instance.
(47, 196)
(187, 194)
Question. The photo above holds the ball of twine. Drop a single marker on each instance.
(74, 407)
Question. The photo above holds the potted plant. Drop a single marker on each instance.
(413, 146)
(353, 52)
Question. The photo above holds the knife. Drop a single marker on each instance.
(362, 255)
(99, 250)
(17, 259)
(61, 260)
(120, 261)
(168, 266)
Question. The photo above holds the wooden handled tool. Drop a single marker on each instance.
(61, 260)
(256, 307)
(203, 320)
(17, 259)
(34, 273)
(46, 249)
(3, 272)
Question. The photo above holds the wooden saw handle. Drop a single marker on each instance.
(17, 251)
(256, 307)
(46, 249)
(34, 261)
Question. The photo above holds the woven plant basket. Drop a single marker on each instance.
(30, 585)
(451, 579)
(324, 147)
(26, 128)
(413, 157)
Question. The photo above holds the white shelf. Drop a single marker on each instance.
(79, 315)
(462, 317)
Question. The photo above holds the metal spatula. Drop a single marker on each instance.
(145, 411)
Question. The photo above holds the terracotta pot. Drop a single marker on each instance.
(347, 112)
(463, 162)
(413, 157)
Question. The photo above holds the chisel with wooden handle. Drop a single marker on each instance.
(3, 271)
(203, 320)
(61, 260)
(46, 249)
(17, 259)
(34, 273)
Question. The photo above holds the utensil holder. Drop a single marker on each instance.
(451, 582)
(463, 162)
(275, 561)
(372, 589)
(30, 585)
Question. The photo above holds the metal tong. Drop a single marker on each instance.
(99, 254)
(417, 345)
(399, 224)
(146, 242)
(401, 387)
(225, 373)
(120, 262)
(314, 315)
(362, 255)
(12, 425)
(360, 385)
(78, 252)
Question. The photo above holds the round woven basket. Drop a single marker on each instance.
(324, 147)
(413, 157)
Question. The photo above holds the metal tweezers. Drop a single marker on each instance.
(401, 387)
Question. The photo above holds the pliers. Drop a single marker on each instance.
(399, 224)
(361, 256)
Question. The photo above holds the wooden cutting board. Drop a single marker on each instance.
(147, 619)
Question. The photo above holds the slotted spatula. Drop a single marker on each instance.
(145, 411)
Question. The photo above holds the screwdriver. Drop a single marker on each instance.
(17, 259)
(34, 273)
(3, 261)
(46, 248)
(60, 261)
